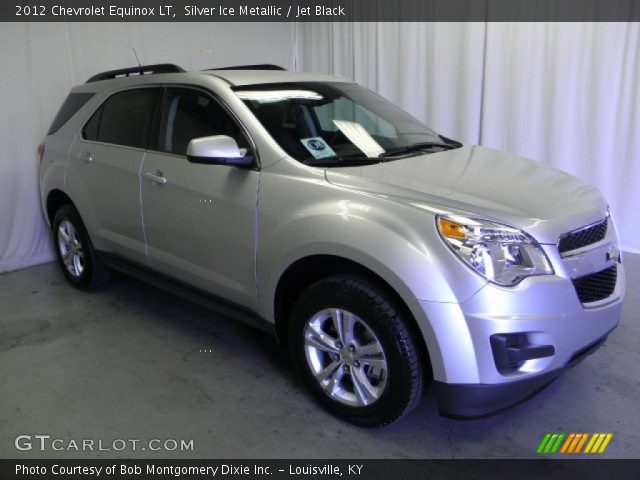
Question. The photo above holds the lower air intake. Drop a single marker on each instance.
(596, 286)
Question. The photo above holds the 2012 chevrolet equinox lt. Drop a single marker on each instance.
(386, 256)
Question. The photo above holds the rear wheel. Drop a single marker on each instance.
(77, 257)
(355, 351)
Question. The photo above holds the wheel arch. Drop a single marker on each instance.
(55, 199)
(309, 269)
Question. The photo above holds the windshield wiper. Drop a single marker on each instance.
(455, 143)
(353, 160)
(416, 146)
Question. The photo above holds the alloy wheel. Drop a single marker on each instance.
(345, 357)
(70, 248)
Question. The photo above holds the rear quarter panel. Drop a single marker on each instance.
(53, 169)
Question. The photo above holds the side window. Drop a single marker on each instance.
(190, 114)
(123, 119)
(90, 130)
(73, 103)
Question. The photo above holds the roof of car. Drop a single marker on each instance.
(257, 77)
(241, 75)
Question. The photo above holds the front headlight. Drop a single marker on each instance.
(502, 254)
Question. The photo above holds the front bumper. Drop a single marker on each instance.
(467, 376)
(468, 401)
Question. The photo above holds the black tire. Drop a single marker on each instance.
(94, 273)
(359, 296)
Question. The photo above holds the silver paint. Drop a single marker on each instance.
(212, 226)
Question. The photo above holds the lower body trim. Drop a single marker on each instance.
(479, 400)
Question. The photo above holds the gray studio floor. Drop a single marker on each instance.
(124, 363)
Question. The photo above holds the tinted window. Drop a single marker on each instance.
(190, 114)
(90, 130)
(71, 105)
(126, 118)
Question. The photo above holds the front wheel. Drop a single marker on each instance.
(355, 351)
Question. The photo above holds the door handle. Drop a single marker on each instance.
(85, 157)
(155, 177)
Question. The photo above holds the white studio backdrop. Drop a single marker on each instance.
(40, 62)
(565, 94)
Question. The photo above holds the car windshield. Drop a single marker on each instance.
(338, 124)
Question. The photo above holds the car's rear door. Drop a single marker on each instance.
(199, 219)
(104, 166)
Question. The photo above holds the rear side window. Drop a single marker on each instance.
(90, 130)
(73, 103)
(123, 119)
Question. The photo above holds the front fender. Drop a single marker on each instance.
(402, 264)
(407, 268)
(302, 215)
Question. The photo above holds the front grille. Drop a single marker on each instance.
(596, 286)
(583, 236)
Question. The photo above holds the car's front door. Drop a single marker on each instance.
(199, 220)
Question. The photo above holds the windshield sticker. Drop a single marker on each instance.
(318, 147)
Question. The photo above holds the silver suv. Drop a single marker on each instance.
(384, 255)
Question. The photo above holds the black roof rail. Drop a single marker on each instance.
(260, 66)
(140, 70)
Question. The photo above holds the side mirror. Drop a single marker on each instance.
(218, 150)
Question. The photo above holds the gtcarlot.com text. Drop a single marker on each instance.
(44, 443)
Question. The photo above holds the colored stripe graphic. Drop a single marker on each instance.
(543, 443)
(591, 442)
(567, 443)
(598, 443)
(555, 447)
(581, 442)
(550, 443)
(572, 443)
(604, 445)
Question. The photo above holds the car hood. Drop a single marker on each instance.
(479, 181)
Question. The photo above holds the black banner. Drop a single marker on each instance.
(320, 10)
(115, 469)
